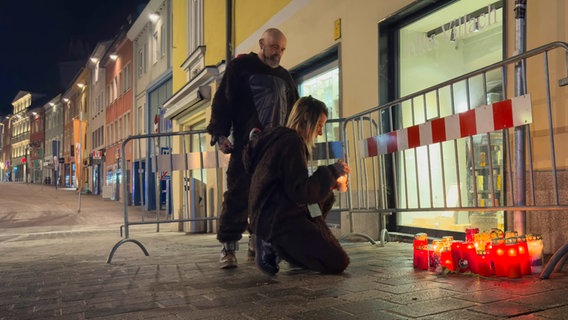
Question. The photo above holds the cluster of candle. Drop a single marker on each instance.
(490, 253)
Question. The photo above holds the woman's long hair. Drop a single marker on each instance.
(304, 118)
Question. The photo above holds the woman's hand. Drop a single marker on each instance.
(341, 168)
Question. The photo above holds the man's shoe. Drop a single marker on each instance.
(266, 258)
(251, 245)
(228, 258)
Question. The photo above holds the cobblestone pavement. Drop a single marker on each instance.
(60, 270)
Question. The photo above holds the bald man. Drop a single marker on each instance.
(255, 92)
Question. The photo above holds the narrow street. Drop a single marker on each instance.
(37, 207)
(54, 265)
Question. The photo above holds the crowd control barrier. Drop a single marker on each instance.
(481, 144)
(187, 158)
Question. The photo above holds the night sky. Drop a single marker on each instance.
(37, 34)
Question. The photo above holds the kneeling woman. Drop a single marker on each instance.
(287, 205)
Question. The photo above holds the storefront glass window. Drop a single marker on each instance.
(454, 40)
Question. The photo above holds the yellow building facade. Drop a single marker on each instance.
(373, 50)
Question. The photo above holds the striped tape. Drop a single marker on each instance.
(488, 118)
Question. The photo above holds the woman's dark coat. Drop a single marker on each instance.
(281, 189)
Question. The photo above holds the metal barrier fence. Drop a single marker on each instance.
(202, 170)
(174, 156)
(463, 146)
(466, 145)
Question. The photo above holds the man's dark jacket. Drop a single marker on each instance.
(251, 95)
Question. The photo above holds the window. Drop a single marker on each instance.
(127, 77)
(429, 44)
(140, 122)
(323, 84)
(194, 24)
(118, 84)
(163, 40)
(126, 125)
(155, 47)
(119, 129)
(108, 136)
(109, 94)
(319, 77)
(115, 131)
(115, 88)
(141, 61)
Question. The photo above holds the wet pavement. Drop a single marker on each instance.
(53, 264)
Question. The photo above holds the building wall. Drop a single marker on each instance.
(545, 23)
(214, 16)
(117, 110)
(179, 43)
(53, 132)
(309, 27)
(37, 140)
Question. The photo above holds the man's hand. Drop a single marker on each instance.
(223, 143)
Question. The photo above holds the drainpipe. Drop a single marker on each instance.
(519, 217)
(229, 31)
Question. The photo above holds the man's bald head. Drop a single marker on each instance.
(272, 46)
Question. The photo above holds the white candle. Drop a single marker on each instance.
(536, 250)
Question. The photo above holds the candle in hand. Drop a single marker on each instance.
(342, 183)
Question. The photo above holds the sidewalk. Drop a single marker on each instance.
(57, 269)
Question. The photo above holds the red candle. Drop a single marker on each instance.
(470, 234)
(524, 259)
(498, 256)
(484, 264)
(446, 255)
(470, 255)
(489, 253)
(446, 259)
(512, 262)
(422, 259)
(420, 245)
(457, 255)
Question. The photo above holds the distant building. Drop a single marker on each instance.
(19, 127)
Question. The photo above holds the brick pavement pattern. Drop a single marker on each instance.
(53, 265)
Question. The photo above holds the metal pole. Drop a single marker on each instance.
(80, 153)
(519, 217)
(229, 30)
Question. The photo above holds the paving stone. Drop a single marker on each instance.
(505, 309)
(60, 271)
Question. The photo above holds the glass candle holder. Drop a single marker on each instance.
(512, 262)
(536, 251)
(446, 258)
(524, 258)
(457, 256)
(434, 254)
(511, 234)
(421, 251)
(470, 255)
(496, 233)
(498, 256)
(484, 264)
(470, 234)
